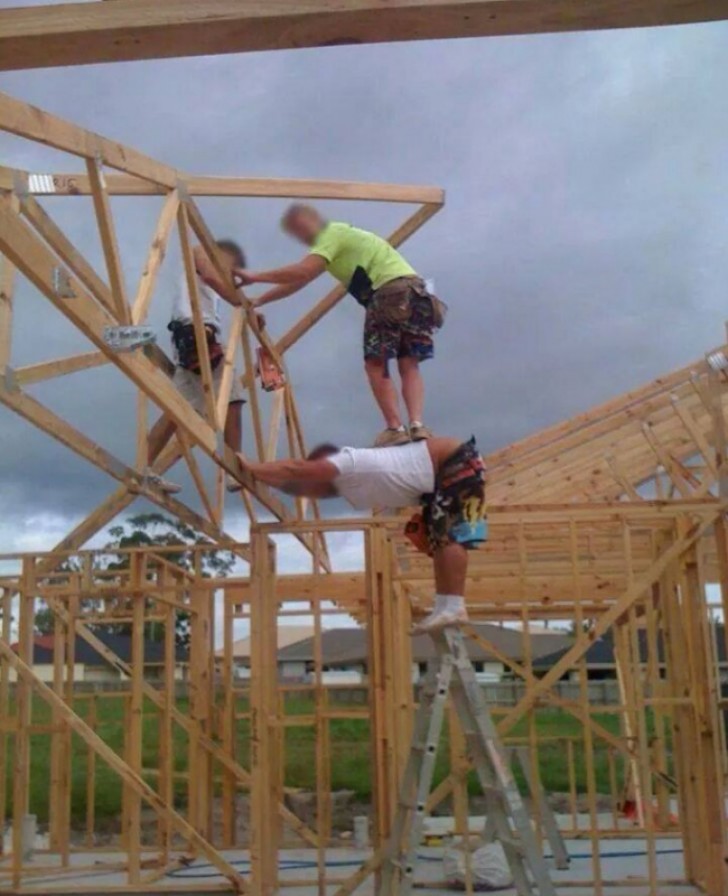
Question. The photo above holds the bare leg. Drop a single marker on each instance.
(413, 388)
(234, 426)
(384, 391)
(159, 435)
(451, 568)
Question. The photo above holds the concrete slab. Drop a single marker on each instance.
(622, 860)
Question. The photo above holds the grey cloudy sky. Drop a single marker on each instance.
(582, 248)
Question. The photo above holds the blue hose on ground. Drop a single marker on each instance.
(300, 865)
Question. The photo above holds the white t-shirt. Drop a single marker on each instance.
(384, 477)
(209, 303)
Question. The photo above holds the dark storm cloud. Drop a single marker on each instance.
(582, 247)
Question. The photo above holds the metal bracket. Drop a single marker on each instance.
(126, 339)
(62, 284)
(717, 361)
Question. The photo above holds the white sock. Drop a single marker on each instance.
(449, 603)
(415, 423)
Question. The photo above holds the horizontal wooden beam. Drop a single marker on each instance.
(82, 33)
(28, 121)
(251, 187)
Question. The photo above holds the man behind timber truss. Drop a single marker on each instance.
(444, 475)
(211, 287)
(401, 314)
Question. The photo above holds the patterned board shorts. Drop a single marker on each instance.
(455, 511)
(399, 321)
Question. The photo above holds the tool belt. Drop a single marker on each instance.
(183, 338)
(390, 303)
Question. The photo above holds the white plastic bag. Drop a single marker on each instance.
(488, 867)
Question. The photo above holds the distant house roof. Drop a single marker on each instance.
(343, 646)
(87, 655)
(287, 636)
(601, 653)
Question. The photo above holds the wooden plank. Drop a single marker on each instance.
(109, 242)
(198, 321)
(274, 425)
(261, 187)
(80, 33)
(7, 282)
(48, 370)
(155, 257)
(332, 298)
(29, 121)
(133, 751)
(228, 367)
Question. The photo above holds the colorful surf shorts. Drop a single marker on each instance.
(399, 321)
(455, 511)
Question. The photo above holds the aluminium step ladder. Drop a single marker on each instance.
(451, 673)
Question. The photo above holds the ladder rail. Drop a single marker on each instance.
(451, 674)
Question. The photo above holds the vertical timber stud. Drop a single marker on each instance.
(200, 648)
(720, 447)
(136, 710)
(24, 711)
(5, 620)
(384, 770)
(706, 721)
(263, 698)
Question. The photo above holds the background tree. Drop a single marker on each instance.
(150, 530)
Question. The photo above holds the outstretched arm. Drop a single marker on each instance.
(293, 476)
(289, 279)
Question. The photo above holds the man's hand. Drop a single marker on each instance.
(243, 277)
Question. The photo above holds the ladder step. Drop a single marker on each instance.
(452, 674)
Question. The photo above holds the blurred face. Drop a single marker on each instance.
(230, 259)
(304, 226)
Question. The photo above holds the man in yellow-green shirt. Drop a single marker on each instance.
(399, 320)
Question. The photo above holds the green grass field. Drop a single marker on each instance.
(350, 759)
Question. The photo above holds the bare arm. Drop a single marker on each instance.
(293, 475)
(289, 279)
(272, 295)
(209, 273)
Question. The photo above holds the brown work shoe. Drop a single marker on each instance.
(419, 433)
(388, 438)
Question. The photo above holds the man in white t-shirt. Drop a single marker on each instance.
(211, 288)
(444, 475)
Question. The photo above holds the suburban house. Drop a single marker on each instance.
(91, 666)
(601, 663)
(288, 635)
(344, 653)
